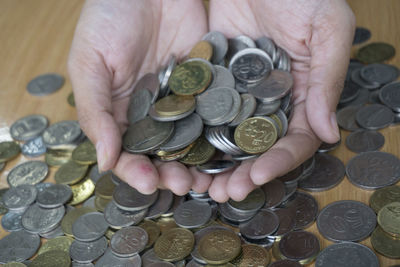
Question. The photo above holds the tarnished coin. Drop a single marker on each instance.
(70, 173)
(379, 73)
(262, 225)
(216, 166)
(347, 254)
(247, 109)
(363, 141)
(346, 220)
(59, 243)
(81, 191)
(30, 172)
(89, 227)
(174, 245)
(117, 218)
(389, 219)
(20, 197)
(40, 220)
(34, 147)
(203, 49)
(86, 252)
(350, 92)
(128, 198)
(292, 246)
(109, 259)
(18, 246)
(162, 205)
(14, 264)
(85, 153)
(361, 35)
(305, 207)
(275, 86)
(357, 79)
(346, 118)
(61, 134)
(139, 104)
(192, 214)
(287, 222)
(219, 45)
(274, 192)
(389, 96)
(201, 152)
(375, 52)
(254, 201)
(293, 176)
(385, 244)
(128, 241)
(56, 232)
(384, 196)
(57, 157)
(12, 221)
(146, 135)
(71, 217)
(252, 255)
(95, 175)
(54, 196)
(269, 108)
(50, 258)
(28, 127)
(374, 117)
(361, 99)
(45, 84)
(8, 151)
(373, 170)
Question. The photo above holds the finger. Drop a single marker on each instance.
(330, 46)
(201, 181)
(240, 183)
(174, 176)
(289, 152)
(217, 190)
(138, 171)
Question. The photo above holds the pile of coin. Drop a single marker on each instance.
(231, 95)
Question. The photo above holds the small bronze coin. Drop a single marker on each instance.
(105, 186)
(173, 105)
(8, 150)
(201, 152)
(384, 196)
(57, 157)
(153, 231)
(375, 52)
(202, 49)
(85, 153)
(389, 219)
(52, 258)
(385, 244)
(174, 245)
(81, 191)
(252, 255)
(70, 173)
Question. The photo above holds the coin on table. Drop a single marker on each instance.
(389, 219)
(117, 218)
(361, 99)
(86, 252)
(255, 135)
(389, 96)
(201, 152)
(85, 153)
(71, 216)
(346, 118)
(350, 91)
(219, 44)
(89, 227)
(57, 157)
(26, 244)
(61, 134)
(70, 173)
(373, 170)
(128, 241)
(374, 117)
(20, 197)
(361, 35)
(40, 220)
(385, 244)
(346, 220)
(3, 209)
(357, 79)
(274, 192)
(28, 127)
(8, 151)
(305, 207)
(384, 196)
(252, 255)
(12, 221)
(364, 141)
(293, 176)
(162, 204)
(292, 246)
(105, 186)
(174, 245)
(50, 258)
(128, 198)
(29, 172)
(81, 191)
(45, 84)
(14, 264)
(203, 49)
(192, 214)
(375, 52)
(190, 78)
(34, 147)
(54, 196)
(101, 203)
(262, 225)
(254, 201)
(379, 73)
(59, 243)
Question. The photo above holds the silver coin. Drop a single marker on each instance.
(214, 105)
(347, 254)
(346, 118)
(168, 71)
(128, 241)
(246, 40)
(306, 209)
(109, 259)
(222, 78)
(151, 83)
(89, 227)
(242, 87)
(12, 221)
(34, 147)
(177, 200)
(192, 214)
(328, 172)
(216, 166)
(253, 202)
(274, 87)
(373, 170)
(53, 233)
(45, 84)
(162, 205)
(61, 134)
(379, 73)
(346, 220)
(54, 196)
(128, 198)
(264, 109)
(309, 166)
(353, 65)
(193, 263)
(360, 100)
(18, 246)
(232, 216)
(40, 220)
(186, 131)
(20, 197)
(29, 172)
(237, 102)
(374, 117)
(268, 46)
(373, 97)
(117, 218)
(95, 175)
(90, 202)
(389, 96)
(363, 141)
(284, 61)
(139, 105)
(42, 186)
(221, 137)
(274, 192)
(162, 264)
(219, 44)
(154, 115)
(86, 252)
(235, 45)
(28, 127)
(243, 157)
(247, 109)
(149, 257)
(356, 78)
(326, 147)
(262, 225)
(146, 135)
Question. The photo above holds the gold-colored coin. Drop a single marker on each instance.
(255, 135)
(252, 255)
(153, 231)
(101, 203)
(201, 152)
(57, 157)
(276, 253)
(389, 219)
(58, 243)
(384, 196)
(202, 49)
(173, 105)
(81, 191)
(70, 218)
(52, 258)
(110, 232)
(85, 153)
(70, 173)
(166, 223)
(71, 99)
(278, 122)
(385, 244)
(174, 155)
(174, 245)
(190, 78)
(8, 151)
(14, 264)
(219, 247)
(105, 186)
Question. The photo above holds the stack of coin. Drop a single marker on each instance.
(241, 109)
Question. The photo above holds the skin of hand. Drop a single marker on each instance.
(318, 36)
(115, 43)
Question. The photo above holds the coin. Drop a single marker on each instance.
(357, 79)
(71, 216)
(59, 243)
(151, 83)
(305, 208)
(52, 258)
(201, 152)
(45, 84)
(40, 220)
(274, 87)
(70, 173)
(375, 52)
(385, 244)
(192, 214)
(389, 219)
(219, 44)
(12, 222)
(214, 105)
(89, 227)
(128, 198)
(152, 230)
(389, 96)
(61, 134)
(262, 225)
(361, 35)
(26, 244)
(216, 166)
(252, 255)
(285, 263)
(34, 147)
(84, 153)
(174, 245)
(139, 105)
(363, 141)
(109, 259)
(173, 105)
(274, 192)
(81, 191)
(54, 196)
(203, 49)
(29, 172)
(118, 218)
(292, 246)
(8, 151)
(384, 196)
(105, 186)
(20, 197)
(374, 117)
(71, 99)
(86, 252)
(222, 78)
(128, 241)
(361, 99)
(57, 157)
(379, 73)
(162, 205)
(28, 127)
(346, 118)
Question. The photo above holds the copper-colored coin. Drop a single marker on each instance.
(219, 247)
(174, 245)
(190, 78)
(105, 186)
(202, 49)
(384, 196)
(153, 231)
(57, 157)
(8, 151)
(58, 243)
(201, 152)
(70, 173)
(252, 255)
(52, 258)
(389, 219)
(385, 244)
(81, 191)
(166, 223)
(85, 153)
(101, 203)
(173, 105)
(255, 135)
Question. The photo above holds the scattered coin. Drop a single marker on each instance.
(374, 117)
(384, 196)
(89, 227)
(61, 134)
(192, 214)
(379, 73)
(385, 244)
(363, 141)
(71, 99)
(292, 246)
(375, 52)
(59, 243)
(129, 199)
(54, 196)
(389, 96)
(18, 246)
(346, 118)
(84, 153)
(12, 221)
(40, 220)
(70, 173)
(361, 35)
(29, 172)
(19, 198)
(128, 241)
(389, 219)
(45, 84)
(52, 258)
(28, 127)
(8, 151)
(34, 147)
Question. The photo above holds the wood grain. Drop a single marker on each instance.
(35, 38)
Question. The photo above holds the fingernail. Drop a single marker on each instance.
(334, 125)
(101, 156)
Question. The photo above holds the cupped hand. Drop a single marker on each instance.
(317, 35)
(115, 43)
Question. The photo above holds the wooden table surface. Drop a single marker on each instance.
(35, 38)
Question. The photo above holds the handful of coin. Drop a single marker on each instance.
(234, 96)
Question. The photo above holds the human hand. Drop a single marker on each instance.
(317, 35)
(115, 43)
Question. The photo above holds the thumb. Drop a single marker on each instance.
(330, 47)
(91, 82)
